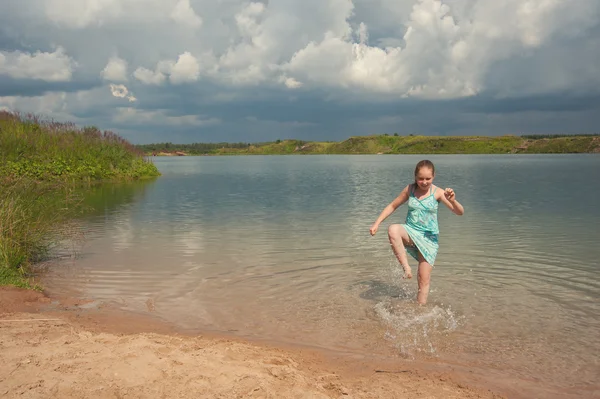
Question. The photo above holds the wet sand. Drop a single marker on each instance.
(53, 347)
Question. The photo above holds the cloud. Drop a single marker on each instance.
(81, 13)
(115, 70)
(121, 91)
(161, 118)
(292, 83)
(49, 105)
(156, 77)
(312, 60)
(184, 13)
(433, 63)
(413, 48)
(50, 67)
(186, 69)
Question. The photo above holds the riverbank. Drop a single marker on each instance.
(390, 144)
(59, 347)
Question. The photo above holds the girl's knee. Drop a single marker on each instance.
(394, 231)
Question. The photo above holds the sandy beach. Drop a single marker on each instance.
(65, 351)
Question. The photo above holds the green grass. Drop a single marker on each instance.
(16, 278)
(50, 151)
(388, 144)
(34, 217)
(563, 145)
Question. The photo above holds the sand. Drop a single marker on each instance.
(64, 351)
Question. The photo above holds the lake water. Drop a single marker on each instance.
(278, 248)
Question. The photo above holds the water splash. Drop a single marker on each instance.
(415, 329)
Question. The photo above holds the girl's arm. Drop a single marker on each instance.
(388, 210)
(449, 199)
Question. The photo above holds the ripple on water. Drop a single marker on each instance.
(275, 247)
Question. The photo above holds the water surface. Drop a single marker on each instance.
(278, 247)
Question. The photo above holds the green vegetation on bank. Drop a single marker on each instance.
(33, 218)
(43, 164)
(51, 151)
(392, 144)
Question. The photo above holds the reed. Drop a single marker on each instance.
(34, 218)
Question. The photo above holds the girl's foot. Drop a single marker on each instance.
(407, 272)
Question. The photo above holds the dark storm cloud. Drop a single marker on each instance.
(37, 87)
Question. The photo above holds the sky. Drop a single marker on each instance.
(186, 71)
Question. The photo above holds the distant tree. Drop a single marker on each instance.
(396, 134)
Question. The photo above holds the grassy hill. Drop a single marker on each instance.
(387, 144)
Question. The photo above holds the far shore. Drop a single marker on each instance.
(391, 144)
(56, 347)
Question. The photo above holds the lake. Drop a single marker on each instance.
(278, 248)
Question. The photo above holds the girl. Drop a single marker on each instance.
(419, 235)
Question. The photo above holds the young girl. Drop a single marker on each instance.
(419, 235)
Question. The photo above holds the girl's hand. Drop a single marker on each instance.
(449, 193)
(373, 229)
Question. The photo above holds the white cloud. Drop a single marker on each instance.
(269, 34)
(363, 33)
(441, 54)
(148, 77)
(51, 67)
(50, 104)
(84, 14)
(426, 48)
(78, 14)
(292, 83)
(423, 67)
(121, 91)
(61, 105)
(156, 77)
(242, 62)
(186, 69)
(184, 13)
(115, 70)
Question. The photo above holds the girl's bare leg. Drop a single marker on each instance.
(399, 238)
(423, 278)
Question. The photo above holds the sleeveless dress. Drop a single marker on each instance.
(422, 226)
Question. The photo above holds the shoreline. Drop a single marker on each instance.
(369, 153)
(67, 344)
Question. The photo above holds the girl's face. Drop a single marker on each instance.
(424, 178)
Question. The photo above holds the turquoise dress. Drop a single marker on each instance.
(422, 226)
